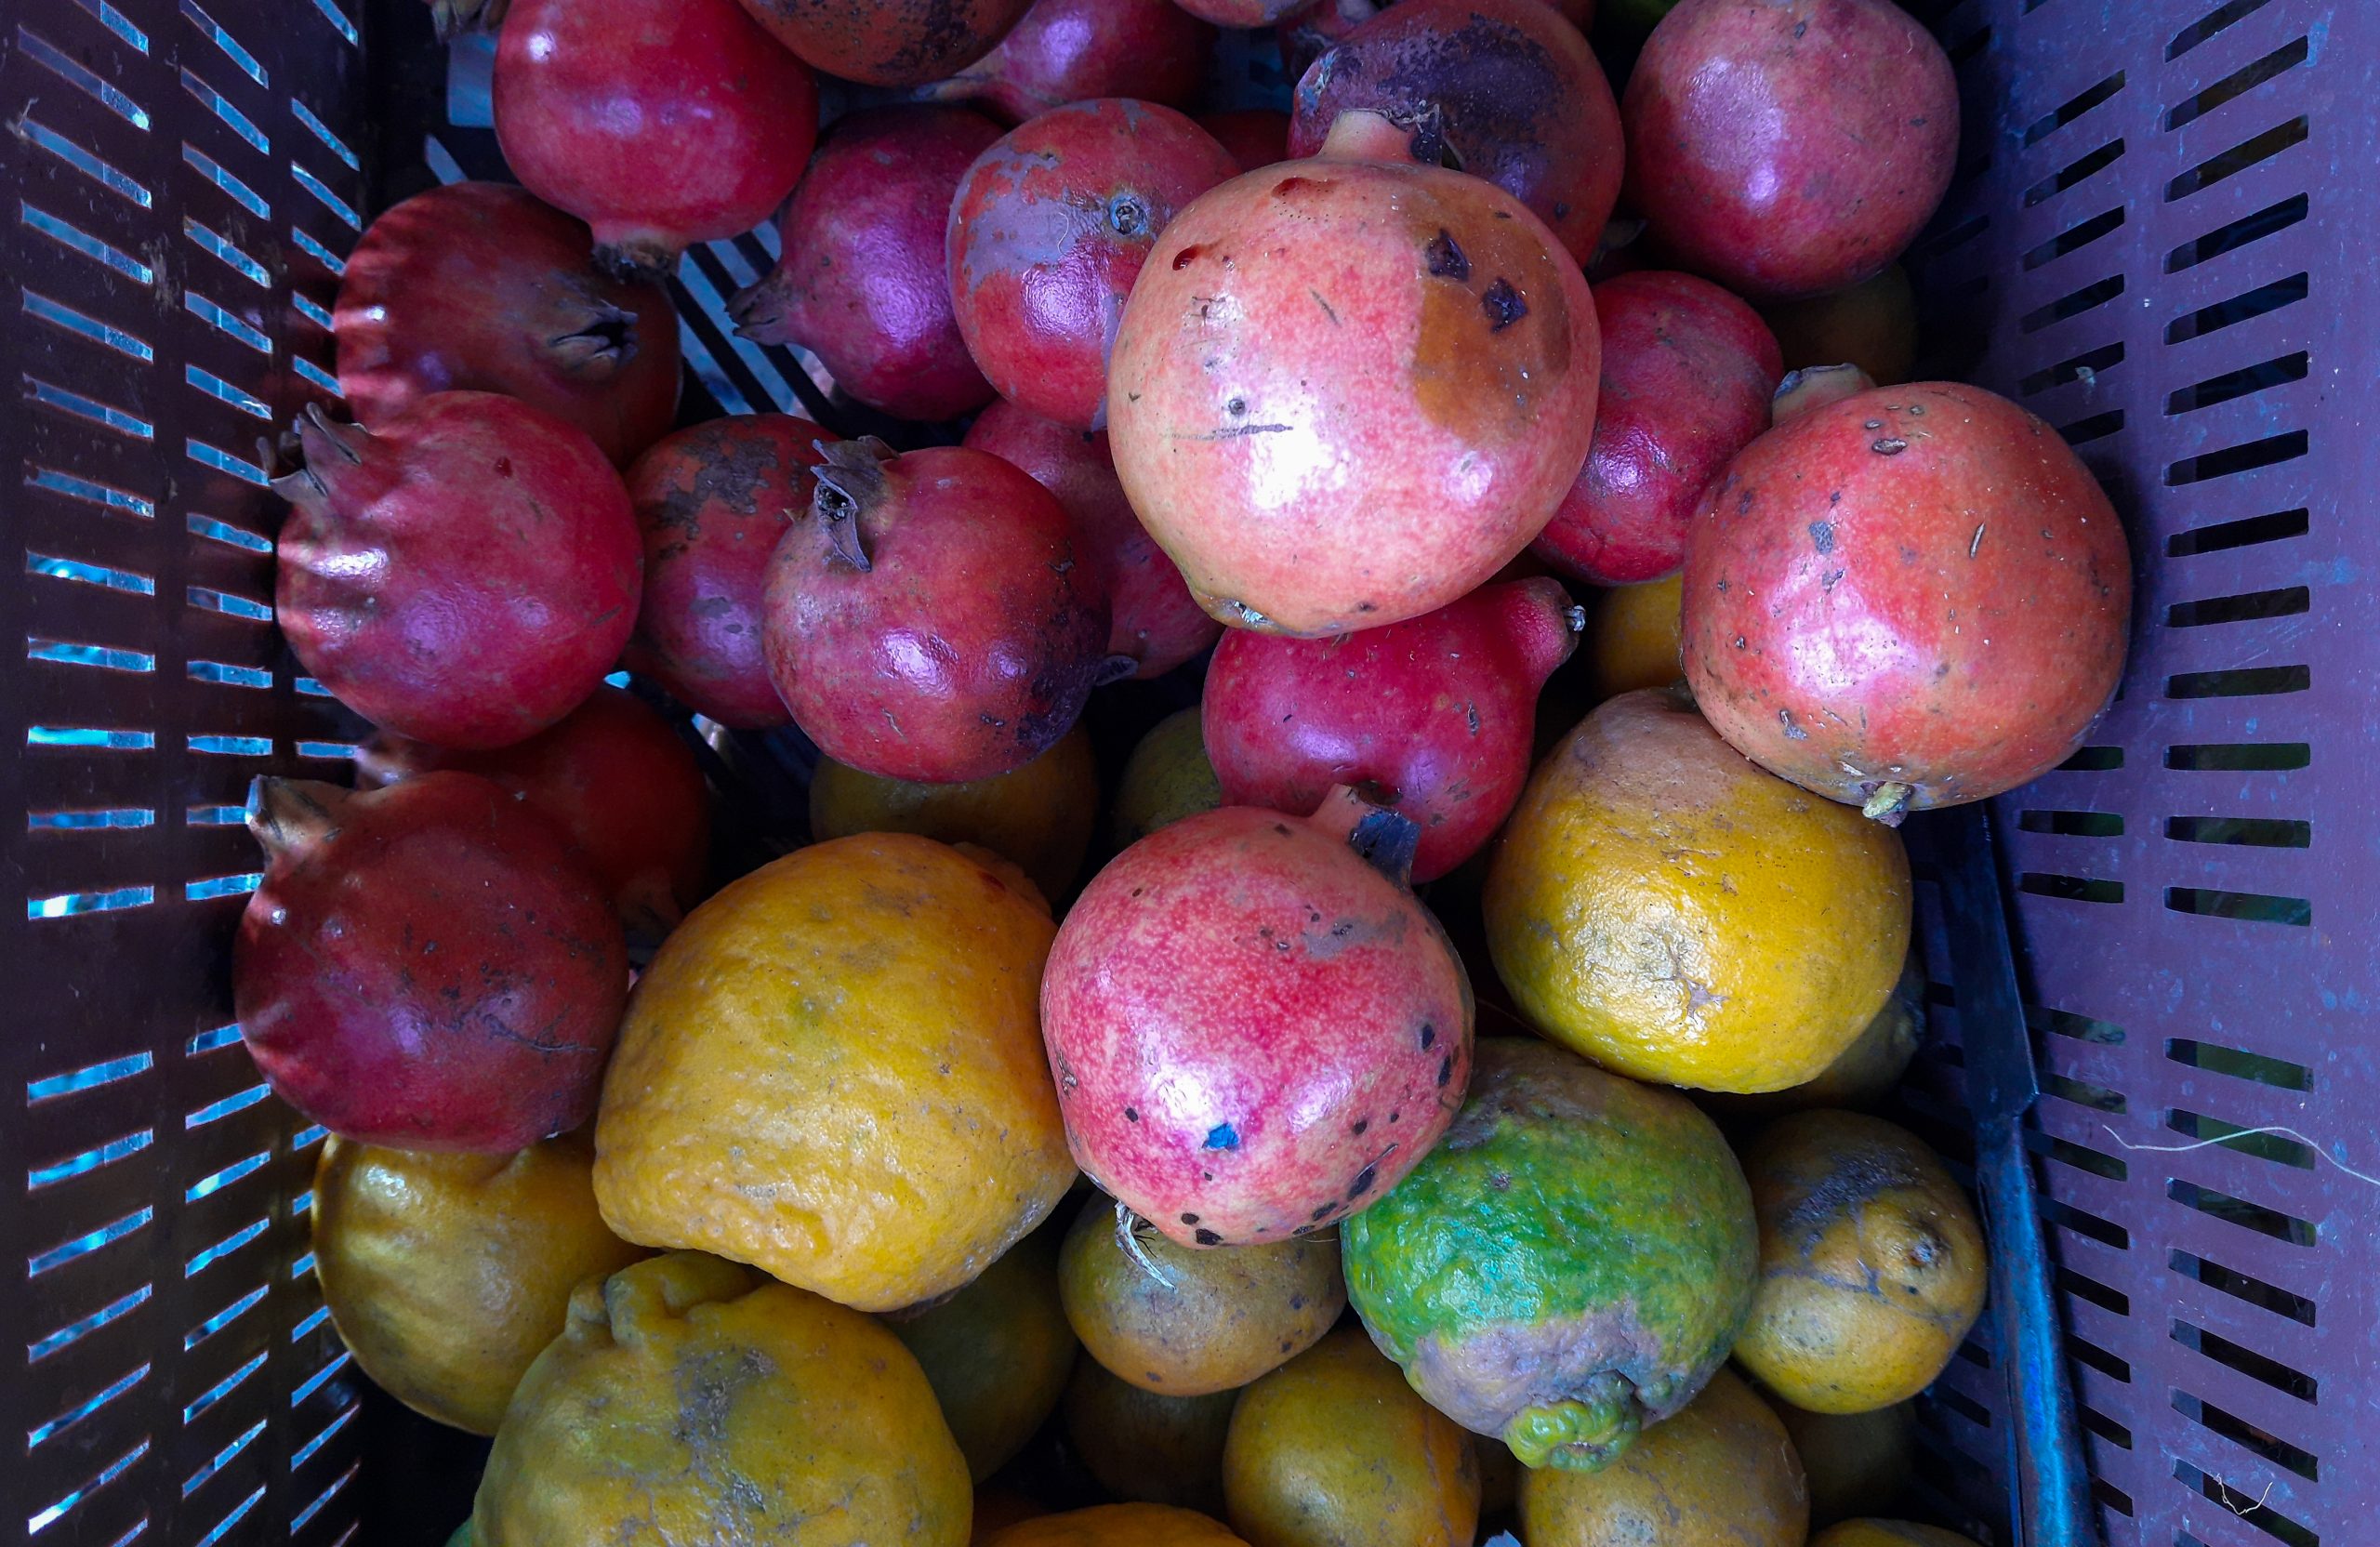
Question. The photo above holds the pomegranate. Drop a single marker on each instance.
(1047, 232)
(1432, 717)
(1687, 372)
(479, 286)
(1505, 89)
(863, 282)
(614, 778)
(889, 42)
(1347, 391)
(1153, 618)
(466, 576)
(930, 620)
(1307, 34)
(1240, 13)
(1914, 597)
(1252, 137)
(659, 122)
(1786, 148)
(1072, 50)
(713, 502)
(427, 966)
(1257, 1030)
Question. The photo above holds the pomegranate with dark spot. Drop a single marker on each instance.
(1688, 373)
(1256, 1028)
(1914, 597)
(467, 575)
(889, 42)
(429, 967)
(1349, 389)
(1432, 717)
(1252, 137)
(1072, 50)
(863, 282)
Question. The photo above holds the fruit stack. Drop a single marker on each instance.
(1461, 1055)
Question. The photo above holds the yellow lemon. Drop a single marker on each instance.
(1119, 1525)
(1167, 780)
(1145, 1447)
(1633, 640)
(1889, 1533)
(1718, 1474)
(1038, 816)
(996, 1353)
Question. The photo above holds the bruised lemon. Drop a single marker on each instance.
(1889, 1533)
(1678, 914)
(833, 1071)
(996, 1353)
(1145, 1447)
(1719, 1473)
(1167, 778)
(1119, 1525)
(1634, 638)
(1038, 817)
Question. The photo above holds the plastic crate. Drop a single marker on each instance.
(2160, 240)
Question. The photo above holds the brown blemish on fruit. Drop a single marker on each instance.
(1485, 384)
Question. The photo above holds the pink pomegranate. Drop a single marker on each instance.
(1072, 50)
(713, 502)
(618, 783)
(1687, 372)
(1505, 89)
(1786, 148)
(477, 285)
(1347, 391)
(1256, 1029)
(659, 122)
(1914, 597)
(889, 42)
(1432, 717)
(429, 966)
(1153, 618)
(863, 282)
(466, 576)
(1252, 137)
(1047, 232)
(930, 620)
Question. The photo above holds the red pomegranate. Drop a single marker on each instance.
(1788, 148)
(1153, 619)
(479, 286)
(1505, 89)
(1688, 373)
(1911, 598)
(863, 282)
(1432, 717)
(889, 42)
(1252, 137)
(614, 778)
(659, 122)
(466, 576)
(713, 502)
(427, 966)
(1256, 1028)
(1306, 34)
(930, 620)
(1347, 391)
(1047, 232)
(1072, 50)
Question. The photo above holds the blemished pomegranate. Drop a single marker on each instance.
(1307, 33)
(1914, 597)
(889, 42)
(929, 620)
(1072, 50)
(465, 575)
(618, 783)
(484, 287)
(1253, 136)
(863, 282)
(1503, 90)
(1256, 1028)
(1688, 373)
(712, 502)
(1049, 231)
(429, 966)
(1432, 717)
(1349, 389)
(659, 122)
(1153, 618)
(1790, 147)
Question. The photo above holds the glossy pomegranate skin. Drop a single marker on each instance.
(888, 42)
(1786, 148)
(1253, 136)
(428, 967)
(465, 576)
(1047, 232)
(1432, 717)
(1153, 618)
(1507, 87)
(968, 644)
(1073, 50)
(864, 281)
(659, 122)
(483, 287)
(712, 502)
(1920, 585)
(1688, 373)
(1324, 433)
(1255, 1033)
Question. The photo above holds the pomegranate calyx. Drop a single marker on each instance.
(1889, 804)
(1383, 838)
(599, 340)
(290, 815)
(850, 483)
